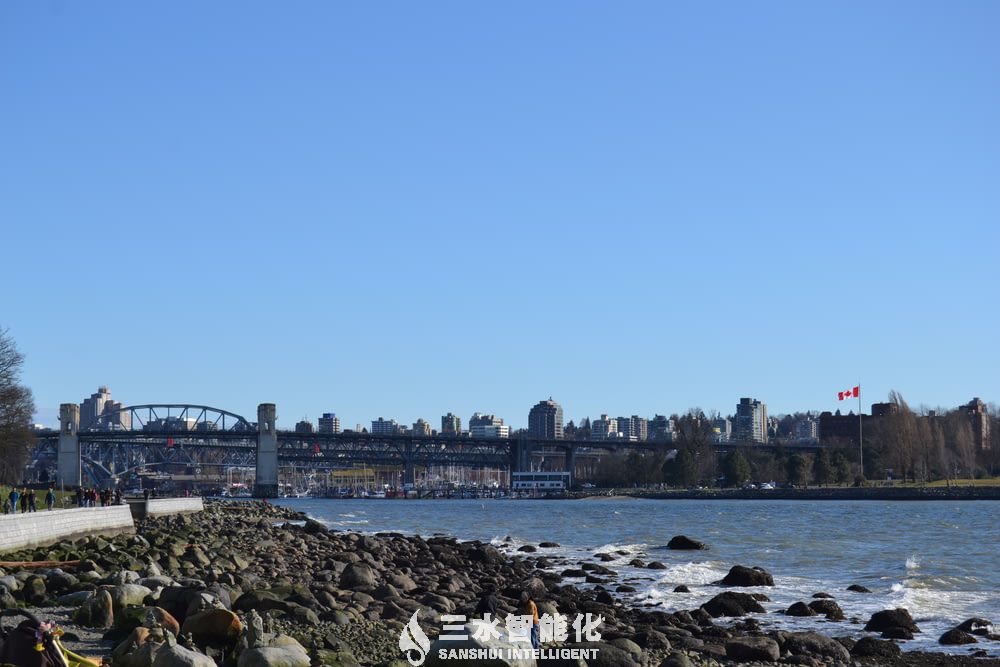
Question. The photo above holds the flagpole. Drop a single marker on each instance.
(861, 445)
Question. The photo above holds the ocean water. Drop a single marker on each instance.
(940, 560)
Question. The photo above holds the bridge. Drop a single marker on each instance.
(138, 436)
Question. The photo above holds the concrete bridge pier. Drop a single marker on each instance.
(69, 445)
(266, 485)
(570, 464)
(408, 474)
(520, 456)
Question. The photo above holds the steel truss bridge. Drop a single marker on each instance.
(151, 436)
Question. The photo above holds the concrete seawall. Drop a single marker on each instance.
(20, 531)
(164, 506)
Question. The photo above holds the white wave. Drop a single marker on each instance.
(913, 562)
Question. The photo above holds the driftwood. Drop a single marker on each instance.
(27, 564)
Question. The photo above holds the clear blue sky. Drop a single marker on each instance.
(409, 208)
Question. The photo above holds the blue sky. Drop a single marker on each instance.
(404, 209)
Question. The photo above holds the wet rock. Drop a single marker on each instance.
(684, 543)
(828, 608)
(858, 588)
(870, 647)
(897, 633)
(656, 565)
(747, 576)
(548, 545)
(976, 626)
(528, 549)
(956, 637)
(749, 649)
(800, 609)
(887, 619)
(811, 643)
(732, 604)
(681, 589)
(822, 596)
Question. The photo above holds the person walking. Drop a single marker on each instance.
(528, 607)
(24, 501)
(12, 499)
(79, 496)
(32, 501)
(50, 498)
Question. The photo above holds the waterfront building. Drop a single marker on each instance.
(545, 421)
(633, 429)
(662, 429)
(330, 423)
(385, 427)
(487, 426)
(422, 428)
(304, 426)
(451, 425)
(605, 428)
(751, 421)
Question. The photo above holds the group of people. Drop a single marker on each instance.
(26, 500)
(91, 497)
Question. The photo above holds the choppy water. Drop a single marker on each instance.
(940, 560)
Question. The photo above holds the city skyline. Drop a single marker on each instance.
(633, 209)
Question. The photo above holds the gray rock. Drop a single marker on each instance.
(811, 643)
(747, 576)
(956, 637)
(357, 575)
(749, 649)
(732, 604)
(888, 619)
(178, 656)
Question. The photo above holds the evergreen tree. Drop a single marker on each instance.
(737, 469)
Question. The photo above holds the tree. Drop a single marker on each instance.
(841, 468)
(737, 469)
(682, 470)
(16, 410)
(822, 468)
(798, 470)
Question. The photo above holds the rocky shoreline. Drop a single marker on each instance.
(255, 585)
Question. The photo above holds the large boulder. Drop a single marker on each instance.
(800, 609)
(870, 647)
(732, 604)
(283, 652)
(178, 656)
(815, 644)
(213, 627)
(977, 626)
(891, 619)
(753, 649)
(828, 608)
(956, 637)
(357, 575)
(97, 612)
(133, 617)
(685, 543)
(747, 576)
(128, 595)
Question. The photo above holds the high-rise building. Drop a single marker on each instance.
(385, 427)
(751, 421)
(979, 419)
(304, 426)
(661, 429)
(451, 425)
(487, 426)
(101, 412)
(605, 428)
(92, 408)
(330, 423)
(421, 428)
(807, 429)
(633, 429)
(722, 430)
(545, 421)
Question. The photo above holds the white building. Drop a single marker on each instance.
(500, 430)
(605, 428)
(329, 423)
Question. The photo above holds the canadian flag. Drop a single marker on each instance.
(850, 393)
